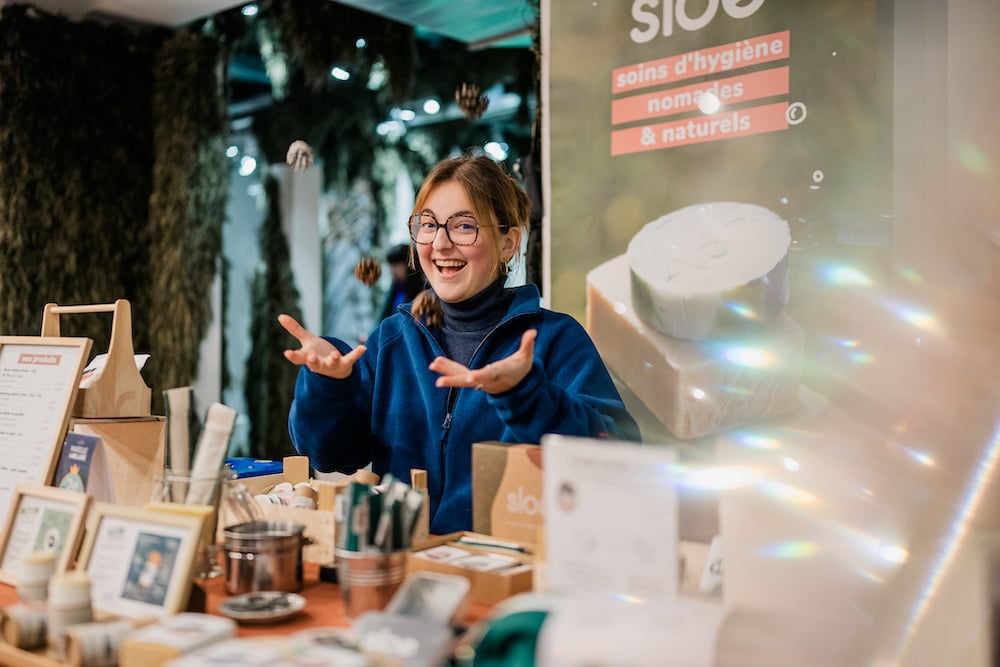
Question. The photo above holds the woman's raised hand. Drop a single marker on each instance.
(318, 354)
(494, 378)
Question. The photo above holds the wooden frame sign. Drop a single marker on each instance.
(42, 518)
(39, 381)
(140, 562)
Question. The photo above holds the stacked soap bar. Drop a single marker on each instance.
(694, 387)
(710, 271)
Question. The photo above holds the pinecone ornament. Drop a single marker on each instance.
(427, 308)
(469, 99)
(299, 156)
(368, 270)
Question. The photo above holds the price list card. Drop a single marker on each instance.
(37, 385)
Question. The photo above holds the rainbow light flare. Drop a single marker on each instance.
(910, 275)
(790, 550)
(842, 274)
(972, 157)
(751, 357)
(786, 492)
(861, 358)
(743, 310)
(715, 478)
(978, 482)
(759, 441)
(918, 318)
(923, 458)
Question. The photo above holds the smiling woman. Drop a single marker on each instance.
(497, 367)
(363, 173)
(457, 264)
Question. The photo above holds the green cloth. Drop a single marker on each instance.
(510, 640)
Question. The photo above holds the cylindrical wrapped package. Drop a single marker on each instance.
(710, 271)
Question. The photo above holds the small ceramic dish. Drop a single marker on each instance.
(262, 607)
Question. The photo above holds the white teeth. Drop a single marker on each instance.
(453, 264)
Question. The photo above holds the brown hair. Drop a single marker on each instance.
(499, 202)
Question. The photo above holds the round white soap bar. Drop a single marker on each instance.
(711, 270)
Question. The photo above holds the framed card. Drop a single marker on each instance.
(612, 534)
(42, 518)
(140, 561)
(39, 382)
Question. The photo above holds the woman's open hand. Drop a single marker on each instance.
(318, 354)
(493, 378)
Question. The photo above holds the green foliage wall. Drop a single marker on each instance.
(112, 181)
(76, 151)
(187, 203)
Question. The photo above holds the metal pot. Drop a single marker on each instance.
(263, 556)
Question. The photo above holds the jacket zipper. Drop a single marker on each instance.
(446, 427)
(452, 395)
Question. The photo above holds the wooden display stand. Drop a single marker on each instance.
(116, 407)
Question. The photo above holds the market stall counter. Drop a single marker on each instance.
(324, 608)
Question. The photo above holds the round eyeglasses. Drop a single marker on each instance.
(461, 228)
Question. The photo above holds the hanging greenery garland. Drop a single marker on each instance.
(187, 203)
(75, 155)
(112, 181)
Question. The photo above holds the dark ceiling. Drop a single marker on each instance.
(477, 23)
(485, 37)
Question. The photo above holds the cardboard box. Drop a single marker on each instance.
(507, 490)
(485, 586)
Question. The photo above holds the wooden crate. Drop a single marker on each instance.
(319, 523)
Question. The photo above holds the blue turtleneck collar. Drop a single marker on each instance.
(466, 323)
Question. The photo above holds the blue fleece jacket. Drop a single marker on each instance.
(389, 413)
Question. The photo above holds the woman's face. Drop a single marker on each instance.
(456, 272)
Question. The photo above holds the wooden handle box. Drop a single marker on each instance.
(119, 390)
